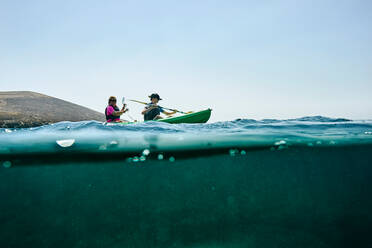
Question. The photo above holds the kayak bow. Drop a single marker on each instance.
(196, 117)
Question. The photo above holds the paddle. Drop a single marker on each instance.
(163, 107)
(123, 102)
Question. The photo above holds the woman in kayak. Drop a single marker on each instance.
(112, 111)
(152, 110)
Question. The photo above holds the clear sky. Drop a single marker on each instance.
(244, 59)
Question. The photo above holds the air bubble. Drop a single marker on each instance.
(65, 143)
(242, 152)
(146, 152)
(7, 164)
(8, 130)
(172, 159)
(135, 159)
(160, 157)
(142, 158)
(278, 143)
(232, 152)
(102, 147)
(113, 143)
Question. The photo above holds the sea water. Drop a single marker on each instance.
(303, 182)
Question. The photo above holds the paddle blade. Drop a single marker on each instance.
(123, 100)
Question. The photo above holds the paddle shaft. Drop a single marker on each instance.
(123, 102)
(161, 107)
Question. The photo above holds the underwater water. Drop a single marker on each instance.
(303, 182)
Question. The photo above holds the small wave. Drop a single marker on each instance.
(319, 118)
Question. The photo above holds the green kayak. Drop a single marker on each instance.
(196, 117)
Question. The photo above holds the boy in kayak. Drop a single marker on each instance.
(152, 110)
(112, 111)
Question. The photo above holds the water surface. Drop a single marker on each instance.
(272, 183)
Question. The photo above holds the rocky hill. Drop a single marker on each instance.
(30, 109)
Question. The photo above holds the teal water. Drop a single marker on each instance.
(272, 183)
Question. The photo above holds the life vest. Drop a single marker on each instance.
(149, 116)
(112, 117)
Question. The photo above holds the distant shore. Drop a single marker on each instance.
(22, 109)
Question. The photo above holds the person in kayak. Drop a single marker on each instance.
(113, 112)
(152, 110)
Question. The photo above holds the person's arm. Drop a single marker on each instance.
(146, 110)
(119, 113)
(169, 113)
